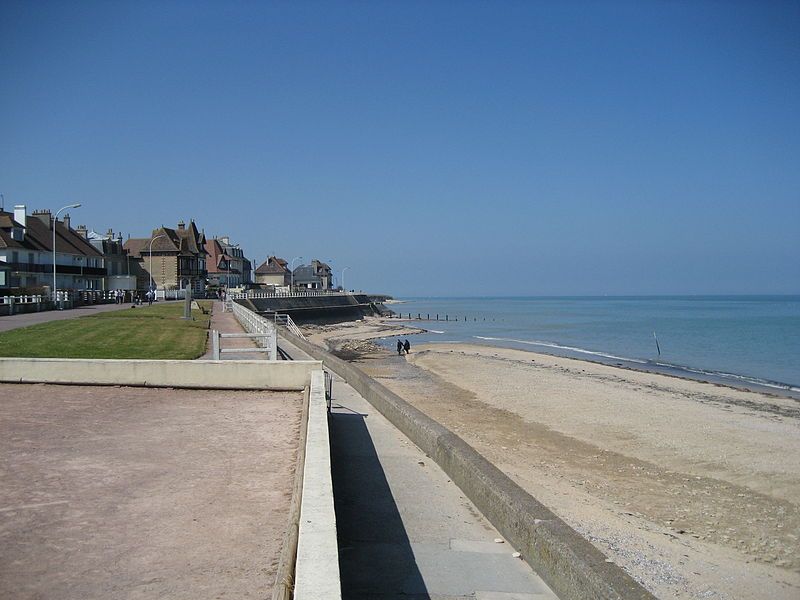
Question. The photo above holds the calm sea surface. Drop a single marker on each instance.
(738, 339)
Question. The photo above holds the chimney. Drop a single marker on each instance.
(181, 225)
(110, 233)
(82, 231)
(44, 216)
(66, 220)
(19, 214)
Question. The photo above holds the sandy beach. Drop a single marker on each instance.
(691, 487)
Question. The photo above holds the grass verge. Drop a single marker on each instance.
(157, 332)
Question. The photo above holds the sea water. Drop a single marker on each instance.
(748, 340)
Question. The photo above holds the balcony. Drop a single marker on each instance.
(18, 267)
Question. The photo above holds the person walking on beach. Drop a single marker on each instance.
(406, 346)
(399, 347)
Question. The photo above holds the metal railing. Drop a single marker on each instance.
(286, 321)
(255, 323)
(162, 294)
(306, 294)
(27, 299)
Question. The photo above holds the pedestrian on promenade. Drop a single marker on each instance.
(406, 346)
(150, 297)
(399, 347)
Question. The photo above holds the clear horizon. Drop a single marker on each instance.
(444, 148)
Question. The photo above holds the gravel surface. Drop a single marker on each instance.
(112, 492)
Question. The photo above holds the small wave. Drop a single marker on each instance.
(725, 375)
(560, 347)
(433, 331)
(694, 370)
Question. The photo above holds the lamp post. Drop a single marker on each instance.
(291, 270)
(152, 283)
(55, 220)
(344, 289)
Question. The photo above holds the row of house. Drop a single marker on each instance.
(169, 258)
(274, 272)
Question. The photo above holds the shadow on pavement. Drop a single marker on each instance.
(375, 556)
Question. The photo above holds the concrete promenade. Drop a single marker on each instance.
(226, 322)
(405, 530)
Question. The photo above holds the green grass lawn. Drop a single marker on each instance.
(143, 332)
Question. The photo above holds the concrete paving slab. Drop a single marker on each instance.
(506, 596)
(405, 530)
(482, 547)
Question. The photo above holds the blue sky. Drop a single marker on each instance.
(435, 148)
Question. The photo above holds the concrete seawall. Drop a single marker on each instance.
(570, 565)
(315, 308)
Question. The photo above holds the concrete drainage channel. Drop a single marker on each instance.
(572, 567)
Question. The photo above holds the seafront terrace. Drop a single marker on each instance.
(416, 513)
(112, 492)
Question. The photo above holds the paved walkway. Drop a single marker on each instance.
(8, 322)
(226, 322)
(404, 529)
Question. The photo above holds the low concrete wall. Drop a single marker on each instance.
(570, 565)
(228, 374)
(317, 568)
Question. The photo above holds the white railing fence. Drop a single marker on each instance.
(304, 294)
(64, 297)
(255, 323)
(170, 294)
(32, 299)
(286, 321)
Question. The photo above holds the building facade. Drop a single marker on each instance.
(316, 276)
(273, 272)
(227, 266)
(26, 248)
(170, 259)
(116, 260)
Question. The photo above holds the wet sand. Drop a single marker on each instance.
(691, 487)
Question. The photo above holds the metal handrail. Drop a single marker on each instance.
(26, 299)
(309, 294)
(287, 322)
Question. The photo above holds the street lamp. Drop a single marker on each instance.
(291, 270)
(152, 283)
(344, 289)
(55, 220)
